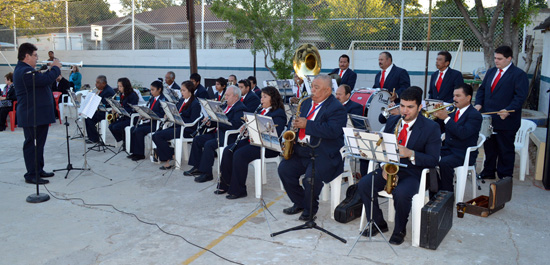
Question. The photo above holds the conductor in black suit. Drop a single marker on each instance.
(248, 97)
(321, 119)
(343, 94)
(444, 80)
(348, 76)
(105, 91)
(461, 129)
(26, 108)
(200, 91)
(391, 77)
(204, 146)
(419, 142)
(504, 88)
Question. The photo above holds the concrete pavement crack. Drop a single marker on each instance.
(511, 238)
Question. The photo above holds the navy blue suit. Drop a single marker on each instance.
(251, 101)
(188, 114)
(175, 86)
(257, 91)
(117, 127)
(451, 80)
(327, 127)
(458, 137)
(510, 93)
(200, 92)
(353, 107)
(44, 109)
(425, 141)
(234, 165)
(218, 96)
(398, 78)
(204, 146)
(349, 78)
(137, 140)
(91, 130)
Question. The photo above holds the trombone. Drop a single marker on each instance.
(429, 114)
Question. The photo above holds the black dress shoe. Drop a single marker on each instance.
(47, 174)
(204, 178)
(305, 217)
(192, 172)
(398, 238)
(219, 192)
(293, 210)
(383, 227)
(165, 168)
(40, 181)
(130, 156)
(232, 197)
(487, 177)
(138, 157)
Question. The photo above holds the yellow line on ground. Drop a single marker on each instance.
(230, 231)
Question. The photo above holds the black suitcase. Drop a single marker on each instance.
(437, 219)
(350, 208)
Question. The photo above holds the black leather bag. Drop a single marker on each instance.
(350, 208)
(437, 219)
(500, 193)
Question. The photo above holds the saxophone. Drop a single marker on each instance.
(290, 135)
(392, 169)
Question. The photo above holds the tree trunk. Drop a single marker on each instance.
(488, 53)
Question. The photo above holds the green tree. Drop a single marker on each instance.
(28, 14)
(268, 23)
(147, 5)
(87, 12)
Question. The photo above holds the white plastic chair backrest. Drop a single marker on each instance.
(141, 101)
(527, 127)
(190, 125)
(480, 140)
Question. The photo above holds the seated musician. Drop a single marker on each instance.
(169, 79)
(343, 94)
(254, 86)
(189, 109)
(299, 90)
(248, 97)
(204, 146)
(461, 131)
(8, 93)
(234, 165)
(321, 119)
(232, 80)
(137, 140)
(221, 85)
(200, 91)
(61, 85)
(127, 96)
(419, 146)
(105, 91)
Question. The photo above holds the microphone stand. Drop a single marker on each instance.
(311, 223)
(69, 165)
(38, 197)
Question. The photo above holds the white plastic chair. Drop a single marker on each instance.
(418, 201)
(462, 172)
(335, 185)
(260, 175)
(181, 144)
(522, 145)
(128, 130)
(220, 150)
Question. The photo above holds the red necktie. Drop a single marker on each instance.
(219, 97)
(439, 81)
(298, 91)
(496, 80)
(382, 79)
(263, 112)
(227, 109)
(182, 106)
(402, 139)
(242, 99)
(341, 71)
(302, 133)
(456, 115)
(152, 105)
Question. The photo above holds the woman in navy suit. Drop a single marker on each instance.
(127, 96)
(189, 109)
(234, 165)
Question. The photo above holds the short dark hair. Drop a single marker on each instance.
(468, 90)
(196, 77)
(222, 81)
(412, 93)
(276, 99)
(447, 55)
(388, 54)
(172, 74)
(347, 88)
(9, 76)
(24, 49)
(344, 56)
(50, 51)
(157, 84)
(233, 76)
(506, 51)
(245, 82)
(252, 79)
(126, 85)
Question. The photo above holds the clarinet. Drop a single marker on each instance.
(243, 131)
(197, 131)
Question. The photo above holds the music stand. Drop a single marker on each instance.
(145, 113)
(173, 116)
(216, 114)
(377, 147)
(171, 95)
(359, 122)
(88, 108)
(118, 109)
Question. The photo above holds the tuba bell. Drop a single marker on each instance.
(306, 61)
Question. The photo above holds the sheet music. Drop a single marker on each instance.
(172, 95)
(268, 133)
(252, 127)
(72, 96)
(90, 105)
(145, 112)
(214, 111)
(117, 108)
(172, 113)
(359, 122)
(390, 145)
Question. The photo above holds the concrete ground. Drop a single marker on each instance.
(64, 231)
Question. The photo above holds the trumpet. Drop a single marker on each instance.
(63, 63)
(429, 114)
(386, 111)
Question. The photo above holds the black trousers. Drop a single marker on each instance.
(91, 130)
(28, 149)
(4, 116)
(406, 188)
(234, 166)
(161, 138)
(499, 154)
(447, 163)
(117, 128)
(137, 141)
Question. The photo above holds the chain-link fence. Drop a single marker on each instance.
(163, 24)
